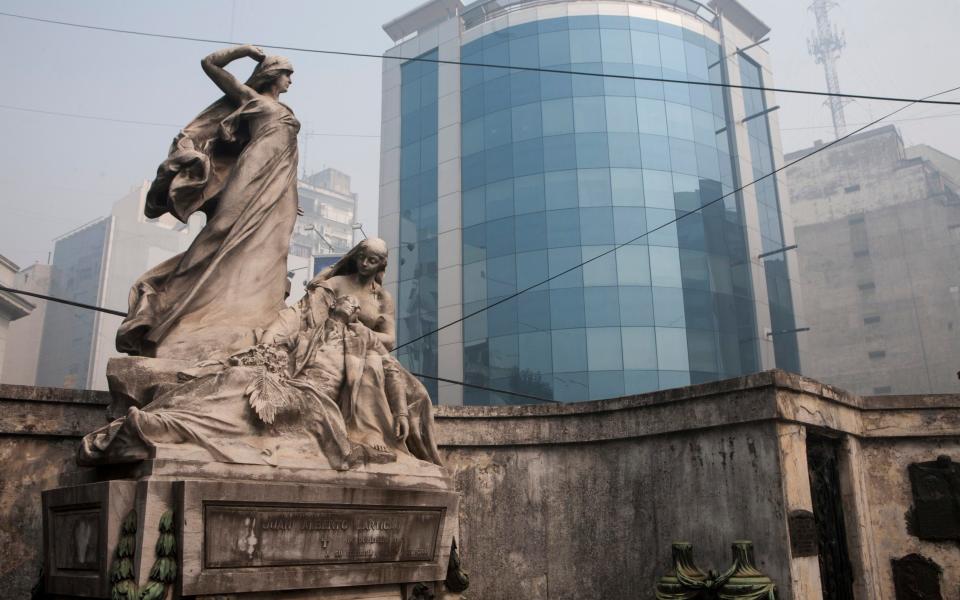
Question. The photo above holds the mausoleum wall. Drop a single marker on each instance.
(583, 500)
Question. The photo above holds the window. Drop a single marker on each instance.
(871, 320)
(855, 220)
(883, 389)
(852, 188)
(877, 354)
(861, 253)
(867, 286)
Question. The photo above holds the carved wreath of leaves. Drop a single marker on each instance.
(266, 393)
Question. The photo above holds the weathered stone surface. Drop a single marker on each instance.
(601, 516)
(557, 499)
(29, 464)
(39, 429)
(136, 380)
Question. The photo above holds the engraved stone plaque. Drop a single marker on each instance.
(81, 526)
(936, 499)
(803, 533)
(260, 536)
(77, 546)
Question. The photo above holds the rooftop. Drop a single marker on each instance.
(436, 11)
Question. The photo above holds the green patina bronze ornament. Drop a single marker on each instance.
(457, 579)
(164, 571)
(742, 581)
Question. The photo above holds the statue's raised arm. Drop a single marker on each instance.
(213, 65)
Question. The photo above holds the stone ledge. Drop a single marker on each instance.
(30, 393)
(50, 418)
(766, 396)
(774, 378)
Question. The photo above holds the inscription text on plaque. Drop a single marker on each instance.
(263, 536)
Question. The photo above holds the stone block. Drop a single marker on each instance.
(81, 527)
(246, 532)
(235, 533)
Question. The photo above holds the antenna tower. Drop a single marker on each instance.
(825, 45)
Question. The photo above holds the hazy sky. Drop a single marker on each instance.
(57, 173)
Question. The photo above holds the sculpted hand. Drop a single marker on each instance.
(401, 428)
(208, 363)
(255, 52)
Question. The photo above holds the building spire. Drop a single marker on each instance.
(825, 45)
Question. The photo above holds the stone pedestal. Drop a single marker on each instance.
(252, 531)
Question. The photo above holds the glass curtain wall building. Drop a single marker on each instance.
(555, 143)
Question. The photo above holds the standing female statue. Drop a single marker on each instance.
(236, 162)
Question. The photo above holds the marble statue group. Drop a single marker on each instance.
(309, 385)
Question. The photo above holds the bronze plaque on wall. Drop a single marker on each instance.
(935, 514)
(269, 536)
(803, 533)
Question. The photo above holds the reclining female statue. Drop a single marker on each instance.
(320, 386)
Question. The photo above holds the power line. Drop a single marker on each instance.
(109, 311)
(547, 280)
(671, 222)
(483, 387)
(153, 123)
(490, 66)
(366, 135)
(123, 314)
(924, 118)
(89, 117)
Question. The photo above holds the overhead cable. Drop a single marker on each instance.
(109, 311)
(668, 223)
(489, 66)
(123, 314)
(156, 124)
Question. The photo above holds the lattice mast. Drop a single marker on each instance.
(825, 45)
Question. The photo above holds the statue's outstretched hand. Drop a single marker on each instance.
(401, 428)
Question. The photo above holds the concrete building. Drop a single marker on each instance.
(878, 229)
(96, 264)
(325, 230)
(330, 207)
(493, 180)
(12, 308)
(19, 366)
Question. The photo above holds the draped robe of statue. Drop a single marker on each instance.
(237, 164)
(383, 388)
(314, 396)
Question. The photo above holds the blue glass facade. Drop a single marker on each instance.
(66, 350)
(417, 296)
(782, 318)
(558, 168)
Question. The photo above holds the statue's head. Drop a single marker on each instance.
(347, 307)
(370, 257)
(273, 71)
